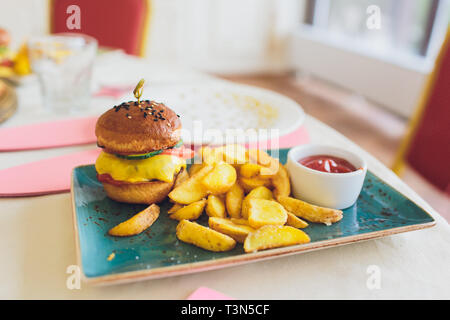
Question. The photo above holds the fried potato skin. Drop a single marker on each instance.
(195, 167)
(192, 189)
(226, 226)
(215, 207)
(220, 179)
(281, 183)
(262, 212)
(182, 176)
(310, 212)
(137, 223)
(295, 221)
(175, 208)
(233, 200)
(270, 236)
(203, 237)
(190, 212)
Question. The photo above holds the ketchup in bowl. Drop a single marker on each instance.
(328, 164)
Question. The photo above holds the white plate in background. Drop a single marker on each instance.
(220, 105)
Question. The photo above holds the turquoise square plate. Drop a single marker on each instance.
(155, 253)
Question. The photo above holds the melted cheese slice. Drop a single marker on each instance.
(160, 167)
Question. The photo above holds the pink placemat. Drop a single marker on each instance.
(48, 134)
(43, 177)
(204, 293)
(295, 138)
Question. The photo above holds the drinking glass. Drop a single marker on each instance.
(63, 64)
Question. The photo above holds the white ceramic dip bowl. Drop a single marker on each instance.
(331, 190)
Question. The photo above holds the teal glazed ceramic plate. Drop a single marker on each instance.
(380, 211)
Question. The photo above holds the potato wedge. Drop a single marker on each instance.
(259, 156)
(249, 170)
(295, 221)
(251, 183)
(265, 211)
(310, 212)
(237, 231)
(192, 189)
(137, 223)
(262, 212)
(182, 176)
(240, 221)
(220, 179)
(271, 236)
(253, 170)
(262, 158)
(204, 237)
(267, 172)
(233, 200)
(261, 193)
(257, 193)
(190, 212)
(210, 156)
(281, 183)
(233, 154)
(175, 208)
(215, 207)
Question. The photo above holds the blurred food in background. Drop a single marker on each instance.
(12, 63)
(6, 62)
(22, 62)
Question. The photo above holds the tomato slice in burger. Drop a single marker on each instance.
(182, 152)
(106, 177)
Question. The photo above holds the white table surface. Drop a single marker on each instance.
(37, 240)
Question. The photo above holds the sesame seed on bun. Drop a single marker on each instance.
(136, 128)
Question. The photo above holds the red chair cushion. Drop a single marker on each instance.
(114, 23)
(429, 152)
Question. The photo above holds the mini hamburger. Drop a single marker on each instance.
(142, 150)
